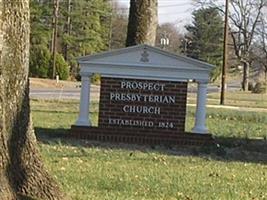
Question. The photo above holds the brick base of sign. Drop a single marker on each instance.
(142, 136)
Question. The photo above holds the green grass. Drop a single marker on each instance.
(112, 173)
(221, 122)
(236, 98)
(52, 114)
(232, 123)
(234, 169)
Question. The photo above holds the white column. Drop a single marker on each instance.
(84, 119)
(200, 116)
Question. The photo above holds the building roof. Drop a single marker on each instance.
(145, 62)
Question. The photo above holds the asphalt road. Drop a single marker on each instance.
(69, 93)
(74, 93)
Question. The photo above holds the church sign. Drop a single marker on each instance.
(147, 104)
(143, 95)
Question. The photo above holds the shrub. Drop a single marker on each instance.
(96, 79)
(250, 86)
(215, 73)
(39, 61)
(62, 67)
(259, 88)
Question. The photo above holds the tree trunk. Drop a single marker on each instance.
(55, 30)
(22, 174)
(67, 31)
(245, 76)
(265, 79)
(143, 21)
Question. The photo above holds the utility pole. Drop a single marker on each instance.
(225, 52)
(54, 50)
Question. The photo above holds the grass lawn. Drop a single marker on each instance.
(236, 168)
(236, 98)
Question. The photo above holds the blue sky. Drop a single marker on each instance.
(174, 11)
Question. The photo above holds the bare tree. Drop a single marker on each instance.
(244, 18)
(260, 48)
(118, 25)
(171, 32)
(142, 24)
(22, 174)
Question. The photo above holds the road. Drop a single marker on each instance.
(74, 93)
(69, 93)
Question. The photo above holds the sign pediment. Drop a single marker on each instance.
(146, 60)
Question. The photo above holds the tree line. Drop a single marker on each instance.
(82, 28)
(86, 27)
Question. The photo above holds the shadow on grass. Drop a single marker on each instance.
(224, 149)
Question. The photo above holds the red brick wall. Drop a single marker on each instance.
(172, 113)
(127, 135)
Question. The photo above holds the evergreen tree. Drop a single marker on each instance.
(204, 40)
(87, 31)
(83, 28)
(40, 22)
(40, 38)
